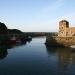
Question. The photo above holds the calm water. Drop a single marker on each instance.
(34, 58)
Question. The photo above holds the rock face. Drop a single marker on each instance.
(6, 35)
(3, 28)
(3, 33)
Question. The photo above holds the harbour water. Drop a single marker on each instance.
(35, 58)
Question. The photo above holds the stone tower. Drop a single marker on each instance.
(62, 28)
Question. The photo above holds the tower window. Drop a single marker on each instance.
(62, 27)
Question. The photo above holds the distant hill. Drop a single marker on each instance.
(5, 30)
(14, 31)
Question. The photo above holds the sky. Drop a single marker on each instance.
(36, 15)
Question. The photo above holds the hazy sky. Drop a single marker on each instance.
(36, 15)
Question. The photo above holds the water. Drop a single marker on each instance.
(34, 58)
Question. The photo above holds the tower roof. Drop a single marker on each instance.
(63, 21)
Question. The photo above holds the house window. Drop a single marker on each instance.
(66, 33)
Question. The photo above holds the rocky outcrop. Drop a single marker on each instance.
(52, 42)
(3, 28)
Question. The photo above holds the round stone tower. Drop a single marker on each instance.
(62, 28)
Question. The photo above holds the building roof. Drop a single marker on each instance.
(72, 29)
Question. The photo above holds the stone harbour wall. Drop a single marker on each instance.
(60, 41)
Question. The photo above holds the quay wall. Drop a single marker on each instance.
(56, 41)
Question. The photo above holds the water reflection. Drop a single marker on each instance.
(5, 47)
(3, 52)
(65, 58)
